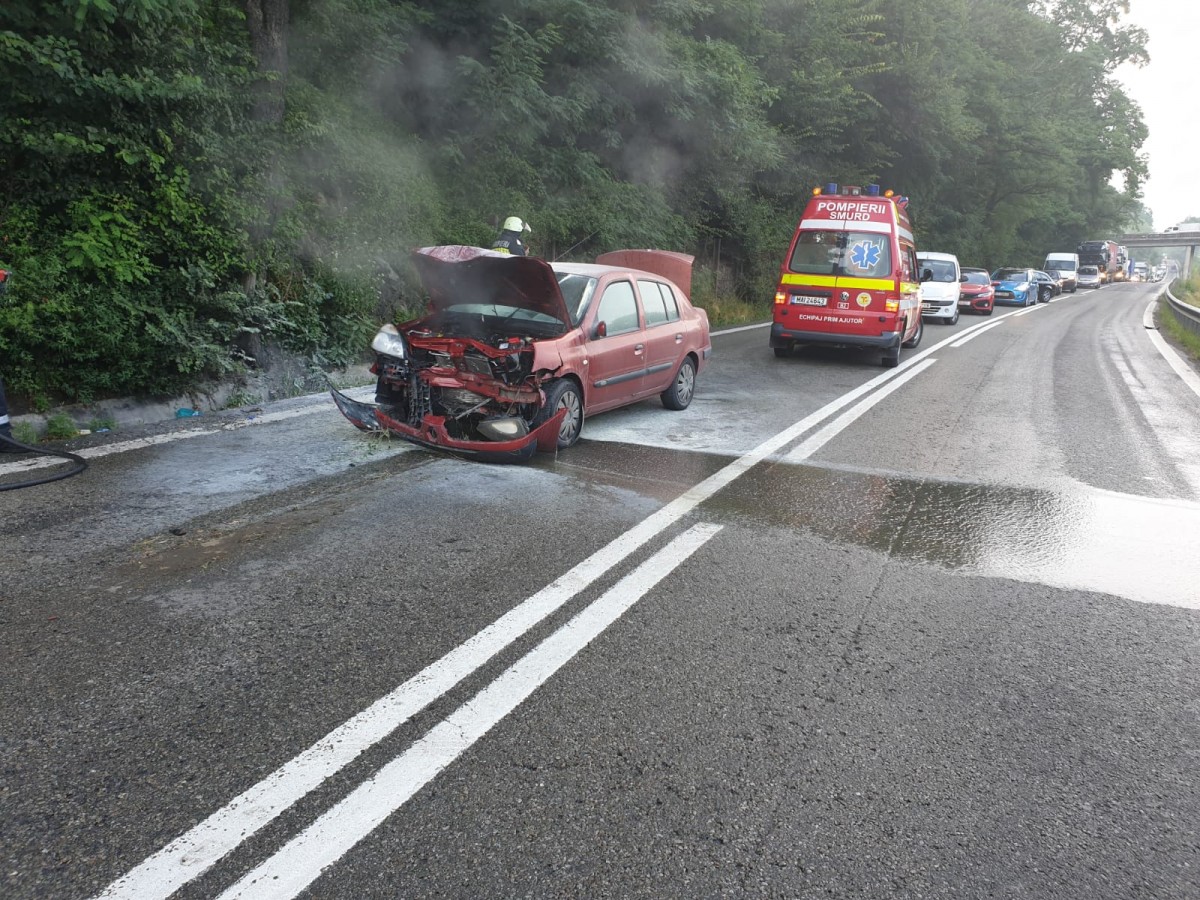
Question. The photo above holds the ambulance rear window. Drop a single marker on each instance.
(858, 254)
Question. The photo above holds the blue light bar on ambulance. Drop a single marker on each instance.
(872, 190)
(831, 188)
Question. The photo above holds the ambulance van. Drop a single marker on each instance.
(850, 277)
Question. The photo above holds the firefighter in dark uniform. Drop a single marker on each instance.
(510, 239)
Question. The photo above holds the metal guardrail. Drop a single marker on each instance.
(1188, 315)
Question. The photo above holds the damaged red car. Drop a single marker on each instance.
(515, 352)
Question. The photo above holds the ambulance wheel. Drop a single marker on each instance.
(916, 338)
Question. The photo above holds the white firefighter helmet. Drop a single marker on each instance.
(513, 223)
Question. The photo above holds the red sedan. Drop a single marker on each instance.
(976, 293)
(515, 352)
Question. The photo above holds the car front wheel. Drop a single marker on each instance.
(563, 394)
(680, 393)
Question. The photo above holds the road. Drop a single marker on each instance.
(833, 631)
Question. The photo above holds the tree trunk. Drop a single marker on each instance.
(267, 21)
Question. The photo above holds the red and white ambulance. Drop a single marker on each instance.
(850, 277)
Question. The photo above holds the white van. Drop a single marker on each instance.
(940, 279)
(1063, 267)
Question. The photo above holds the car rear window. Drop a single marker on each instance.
(658, 302)
(1010, 275)
(860, 254)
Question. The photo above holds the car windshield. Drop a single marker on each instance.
(975, 276)
(855, 253)
(1060, 266)
(1010, 275)
(942, 270)
(577, 290)
(1088, 270)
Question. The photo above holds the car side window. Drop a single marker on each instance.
(911, 270)
(653, 304)
(671, 302)
(618, 309)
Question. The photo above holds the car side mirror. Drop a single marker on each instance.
(601, 329)
(927, 274)
(962, 278)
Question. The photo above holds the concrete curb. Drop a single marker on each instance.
(130, 412)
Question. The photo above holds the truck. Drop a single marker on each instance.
(1064, 267)
(1103, 255)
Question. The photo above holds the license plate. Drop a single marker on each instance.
(807, 300)
(929, 307)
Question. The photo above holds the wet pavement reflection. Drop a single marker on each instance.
(1077, 538)
(1082, 538)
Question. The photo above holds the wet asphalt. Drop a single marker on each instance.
(950, 652)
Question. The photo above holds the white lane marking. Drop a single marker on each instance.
(197, 850)
(1148, 315)
(301, 861)
(1182, 369)
(739, 328)
(42, 462)
(1028, 310)
(978, 331)
(1174, 360)
(830, 431)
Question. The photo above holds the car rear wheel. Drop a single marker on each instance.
(682, 388)
(916, 338)
(563, 394)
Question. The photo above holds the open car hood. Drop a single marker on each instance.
(459, 274)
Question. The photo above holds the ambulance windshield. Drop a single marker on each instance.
(858, 254)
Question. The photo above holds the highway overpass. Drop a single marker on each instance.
(1188, 239)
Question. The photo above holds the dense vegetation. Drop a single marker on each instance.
(185, 177)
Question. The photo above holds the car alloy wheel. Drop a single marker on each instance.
(682, 389)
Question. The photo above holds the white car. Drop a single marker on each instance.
(940, 279)
(1088, 277)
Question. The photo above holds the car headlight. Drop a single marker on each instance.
(390, 342)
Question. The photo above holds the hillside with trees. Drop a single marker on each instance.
(184, 179)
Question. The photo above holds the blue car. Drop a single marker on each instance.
(1015, 287)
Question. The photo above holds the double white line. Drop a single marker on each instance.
(303, 859)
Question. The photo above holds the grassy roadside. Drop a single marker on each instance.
(1183, 338)
(728, 312)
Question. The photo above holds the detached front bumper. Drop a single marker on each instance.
(432, 433)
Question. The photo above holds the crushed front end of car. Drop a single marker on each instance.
(466, 378)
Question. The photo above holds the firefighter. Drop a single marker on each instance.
(509, 240)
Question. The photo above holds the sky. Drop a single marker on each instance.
(1166, 91)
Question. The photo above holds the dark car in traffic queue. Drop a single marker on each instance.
(1015, 287)
(1048, 286)
(975, 292)
(514, 352)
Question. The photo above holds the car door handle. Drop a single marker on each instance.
(639, 348)
(679, 338)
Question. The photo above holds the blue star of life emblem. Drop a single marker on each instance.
(864, 255)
